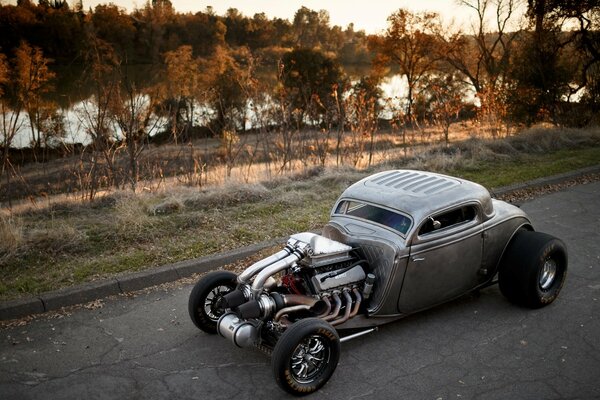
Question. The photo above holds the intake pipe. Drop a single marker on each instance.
(302, 242)
(258, 266)
(284, 263)
(265, 305)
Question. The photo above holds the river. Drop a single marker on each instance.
(75, 105)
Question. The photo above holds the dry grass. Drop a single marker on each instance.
(57, 238)
(229, 194)
(11, 235)
(133, 215)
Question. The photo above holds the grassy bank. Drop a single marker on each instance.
(48, 247)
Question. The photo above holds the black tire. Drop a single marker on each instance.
(533, 269)
(203, 304)
(306, 356)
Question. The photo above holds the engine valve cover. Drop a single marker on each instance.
(330, 280)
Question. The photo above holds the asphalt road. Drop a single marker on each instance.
(478, 347)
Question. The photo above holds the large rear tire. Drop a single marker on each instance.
(533, 269)
(305, 356)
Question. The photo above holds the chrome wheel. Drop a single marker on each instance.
(533, 269)
(305, 356)
(204, 304)
(212, 306)
(547, 274)
(309, 359)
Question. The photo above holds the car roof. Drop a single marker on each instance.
(418, 193)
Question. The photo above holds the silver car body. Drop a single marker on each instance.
(450, 240)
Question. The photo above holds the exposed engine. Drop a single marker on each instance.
(312, 276)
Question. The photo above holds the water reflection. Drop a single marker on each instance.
(77, 113)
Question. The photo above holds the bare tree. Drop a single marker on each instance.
(483, 55)
(10, 123)
(95, 113)
(446, 101)
(409, 43)
(132, 110)
(362, 111)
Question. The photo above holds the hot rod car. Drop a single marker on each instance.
(397, 242)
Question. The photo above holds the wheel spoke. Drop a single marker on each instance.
(210, 303)
(308, 360)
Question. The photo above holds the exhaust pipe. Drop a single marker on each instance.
(357, 303)
(287, 310)
(327, 305)
(336, 308)
(348, 309)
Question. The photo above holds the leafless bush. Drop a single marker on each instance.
(132, 215)
(168, 206)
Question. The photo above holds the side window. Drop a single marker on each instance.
(448, 219)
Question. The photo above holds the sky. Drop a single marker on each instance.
(370, 15)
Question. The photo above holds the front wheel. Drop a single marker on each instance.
(533, 269)
(306, 356)
(205, 303)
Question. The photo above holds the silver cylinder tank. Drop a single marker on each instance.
(241, 332)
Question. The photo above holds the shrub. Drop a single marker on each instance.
(11, 235)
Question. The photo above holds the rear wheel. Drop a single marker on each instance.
(306, 356)
(205, 302)
(533, 269)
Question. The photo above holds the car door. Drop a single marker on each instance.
(445, 258)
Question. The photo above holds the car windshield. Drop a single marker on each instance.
(394, 220)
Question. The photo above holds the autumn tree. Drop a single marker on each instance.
(32, 78)
(310, 28)
(114, 26)
(313, 82)
(562, 61)
(9, 123)
(409, 44)
(23, 88)
(152, 19)
(226, 75)
(483, 56)
(262, 33)
(55, 30)
(182, 85)
(231, 77)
